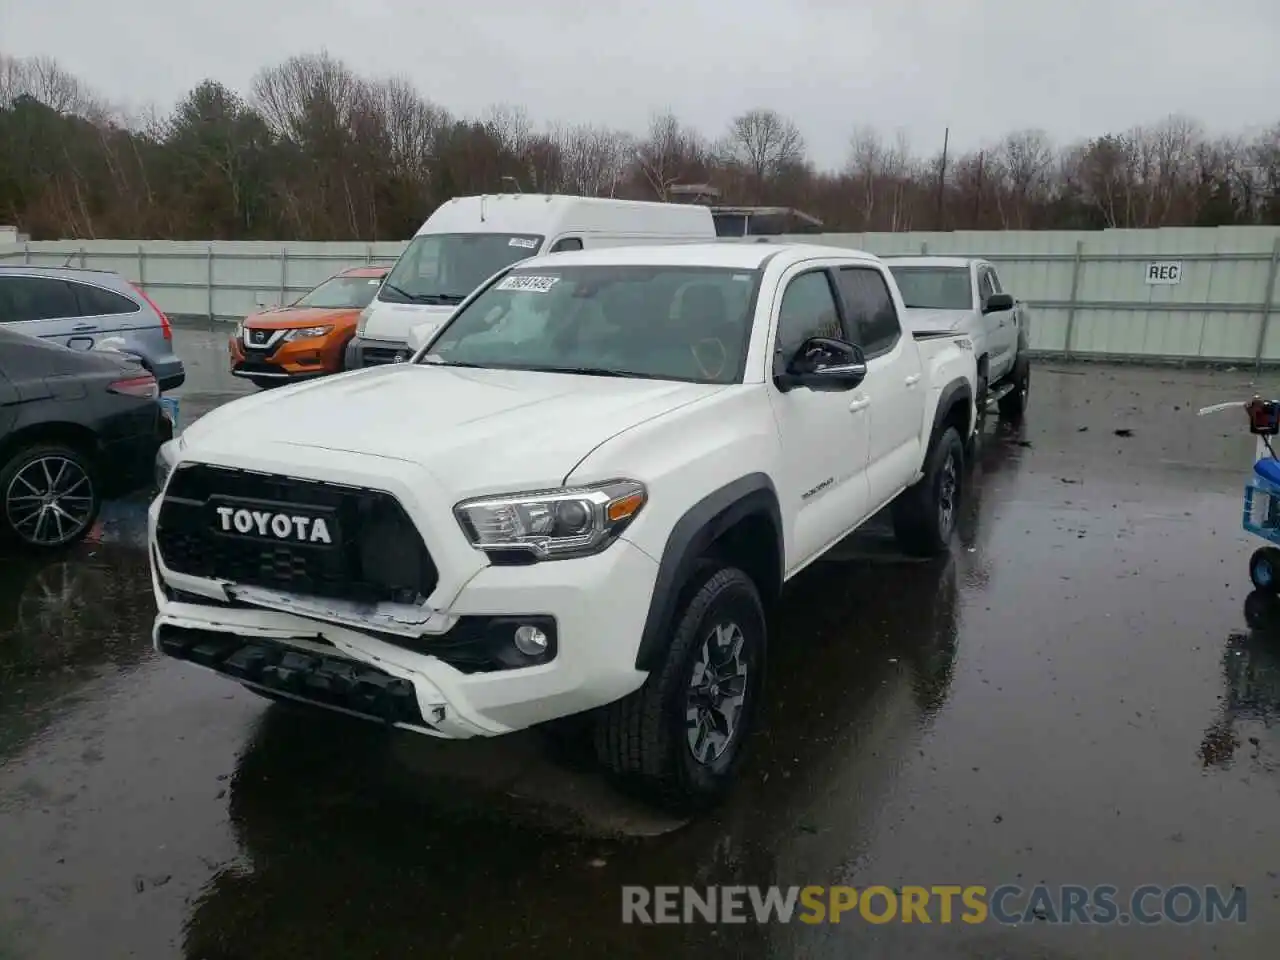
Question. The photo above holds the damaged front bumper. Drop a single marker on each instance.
(453, 673)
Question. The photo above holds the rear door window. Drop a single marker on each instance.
(36, 298)
(869, 305)
(97, 302)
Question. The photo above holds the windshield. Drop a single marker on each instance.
(445, 267)
(662, 322)
(342, 293)
(934, 288)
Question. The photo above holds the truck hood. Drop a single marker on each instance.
(476, 431)
(919, 318)
(393, 321)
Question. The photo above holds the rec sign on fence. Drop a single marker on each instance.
(1164, 272)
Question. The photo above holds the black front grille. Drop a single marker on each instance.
(376, 553)
(376, 356)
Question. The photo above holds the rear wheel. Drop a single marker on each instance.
(50, 497)
(924, 515)
(680, 738)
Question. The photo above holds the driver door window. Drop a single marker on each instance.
(808, 310)
(986, 286)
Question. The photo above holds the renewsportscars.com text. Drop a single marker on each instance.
(941, 904)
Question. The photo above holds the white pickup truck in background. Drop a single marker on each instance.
(578, 498)
(965, 294)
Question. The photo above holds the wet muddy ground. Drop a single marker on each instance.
(1073, 697)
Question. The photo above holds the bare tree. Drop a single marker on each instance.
(865, 166)
(41, 78)
(594, 159)
(761, 144)
(308, 96)
(669, 154)
(1025, 163)
(510, 127)
(411, 124)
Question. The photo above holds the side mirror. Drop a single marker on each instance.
(421, 335)
(823, 363)
(997, 302)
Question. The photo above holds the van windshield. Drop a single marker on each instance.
(934, 288)
(445, 267)
(659, 322)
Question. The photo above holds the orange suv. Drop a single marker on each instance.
(307, 338)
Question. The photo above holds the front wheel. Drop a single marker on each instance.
(51, 497)
(924, 515)
(680, 738)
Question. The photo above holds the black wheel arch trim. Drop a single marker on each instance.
(957, 390)
(702, 524)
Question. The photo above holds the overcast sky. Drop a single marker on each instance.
(1072, 67)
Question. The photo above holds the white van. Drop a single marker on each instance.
(469, 239)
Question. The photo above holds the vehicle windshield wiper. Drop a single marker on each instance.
(450, 298)
(430, 298)
(591, 372)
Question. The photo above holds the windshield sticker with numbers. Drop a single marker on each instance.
(523, 242)
(528, 284)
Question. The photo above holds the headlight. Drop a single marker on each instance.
(166, 457)
(362, 321)
(552, 524)
(306, 333)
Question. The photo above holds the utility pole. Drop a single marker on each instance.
(942, 175)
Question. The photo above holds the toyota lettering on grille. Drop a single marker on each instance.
(281, 526)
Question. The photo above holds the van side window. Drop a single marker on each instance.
(869, 305)
(566, 243)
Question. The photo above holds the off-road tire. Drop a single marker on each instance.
(643, 738)
(920, 523)
(1014, 403)
(17, 462)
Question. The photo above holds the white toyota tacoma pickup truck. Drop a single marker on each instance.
(578, 498)
(965, 294)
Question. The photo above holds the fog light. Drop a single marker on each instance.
(530, 640)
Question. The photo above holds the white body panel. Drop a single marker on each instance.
(833, 459)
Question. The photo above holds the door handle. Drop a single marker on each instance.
(83, 326)
(860, 404)
(913, 380)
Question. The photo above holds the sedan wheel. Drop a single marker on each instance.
(50, 499)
